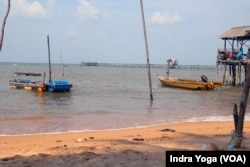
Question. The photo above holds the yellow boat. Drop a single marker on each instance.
(189, 84)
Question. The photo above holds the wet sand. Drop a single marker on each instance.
(139, 147)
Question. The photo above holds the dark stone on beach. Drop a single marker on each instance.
(5, 159)
(168, 130)
(138, 139)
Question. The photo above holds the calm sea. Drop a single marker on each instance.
(108, 98)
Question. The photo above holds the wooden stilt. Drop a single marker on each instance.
(234, 74)
(245, 72)
(239, 74)
(224, 75)
(217, 71)
(230, 74)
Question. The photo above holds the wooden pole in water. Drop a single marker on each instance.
(62, 64)
(49, 57)
(217, 71)
(44, 74)
(147, 52)
(168, 68)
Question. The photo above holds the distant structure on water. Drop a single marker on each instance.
(89, 64)
(235, 55)
(133, 65)
(173, 63)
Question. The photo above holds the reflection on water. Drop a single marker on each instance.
(47, 98)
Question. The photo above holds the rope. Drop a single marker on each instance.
(232, 140)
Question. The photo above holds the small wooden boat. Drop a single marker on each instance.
(203, 84)
(19, 83)
(27, 84)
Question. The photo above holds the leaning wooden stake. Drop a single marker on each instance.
(147, 52)
(3, 25)
(242, 111)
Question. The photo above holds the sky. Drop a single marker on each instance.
(111, 31)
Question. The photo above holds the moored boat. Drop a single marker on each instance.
(58, 86)
(203, 84)
(27, 84)
(19, 83)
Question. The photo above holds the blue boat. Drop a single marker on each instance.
(58, 86)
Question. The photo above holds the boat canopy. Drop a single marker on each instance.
(59, 82)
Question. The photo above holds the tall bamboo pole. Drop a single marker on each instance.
(147, 52)
(49, 58)
(62, 63)
(3, 25)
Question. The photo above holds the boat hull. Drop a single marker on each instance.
(26, 84)
(58, 86)
(189, 84)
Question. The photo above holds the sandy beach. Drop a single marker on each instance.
(139, 147)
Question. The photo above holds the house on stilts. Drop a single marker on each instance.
(235, 55)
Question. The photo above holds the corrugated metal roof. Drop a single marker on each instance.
(237, 32)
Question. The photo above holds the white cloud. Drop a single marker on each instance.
(31, 9)
(164, 18)
(86, 11)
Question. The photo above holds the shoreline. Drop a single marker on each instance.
(191, 120)
(144, 146)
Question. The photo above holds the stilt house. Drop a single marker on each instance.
(235, 55)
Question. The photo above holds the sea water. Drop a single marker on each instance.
(108, 98)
